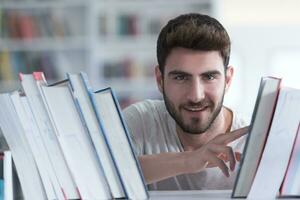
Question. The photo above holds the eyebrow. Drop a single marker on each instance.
(215, 72)
(178, 72)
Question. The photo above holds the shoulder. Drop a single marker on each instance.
(145, 115)
(147, 107)
(147, 124)
(239, 120)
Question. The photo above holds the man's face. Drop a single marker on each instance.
(193, 86)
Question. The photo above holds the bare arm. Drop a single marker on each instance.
(216, 153)
(157, 167)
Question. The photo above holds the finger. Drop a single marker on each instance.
(215, 161)
(223, 156)
(225, 153)
(238, 156)
(229, 137)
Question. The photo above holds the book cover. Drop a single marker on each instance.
(66, 187)
(95, 131)
(13, 131)
(75, 143)
(258, 131)
(291, 182)
(278, 147)
(34, 143)
(109, 113)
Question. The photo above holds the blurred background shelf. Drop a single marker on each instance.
(114, 41)
(125, 51)
(40, 4)
(44, 44)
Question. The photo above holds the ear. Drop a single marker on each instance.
(228, 77)
(159, 79)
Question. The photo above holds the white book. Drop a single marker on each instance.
(8, 176)
(75, 142)
(13, 131)
(278, 147)
(67, 187)
(36, 148)
(291, 182)
(118, 139)
(258, 132)
(81, 96)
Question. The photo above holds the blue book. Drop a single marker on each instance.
(110, 116)
(1, 189)
(95, 131)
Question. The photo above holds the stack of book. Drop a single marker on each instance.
(68, 141)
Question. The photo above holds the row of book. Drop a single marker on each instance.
(127, 68)
(31, 24)
(147, 19)
(132, 24)
(270, 166)
(68, 141)
(13, 62)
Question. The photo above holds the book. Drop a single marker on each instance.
(118, 139)
(278, 147)
(7, 176)
(13, 131)
(291, 182)
(57, 124)
(2, 175)
(66, 187)
(95, 130)
(258, 132)
(76, 146)
(34, 143)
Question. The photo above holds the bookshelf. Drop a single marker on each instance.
(49, 36)
(114, 41)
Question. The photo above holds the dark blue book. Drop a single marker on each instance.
(117, 136)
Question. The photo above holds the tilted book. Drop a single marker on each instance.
(110, 116)
(258, 132)
(291, 183)
(95, 131)
(64, 184)
(13, 131)
(278, 147)
(75, 143)
(35, 143)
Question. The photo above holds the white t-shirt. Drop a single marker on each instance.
(153, 131)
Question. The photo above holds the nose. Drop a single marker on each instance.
(196, 91)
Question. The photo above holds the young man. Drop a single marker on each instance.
(184, 142)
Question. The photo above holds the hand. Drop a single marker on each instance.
(216, 153)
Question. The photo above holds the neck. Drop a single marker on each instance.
(222, 124)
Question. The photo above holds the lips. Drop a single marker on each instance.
(195, 108)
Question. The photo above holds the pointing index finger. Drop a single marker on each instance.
(236, 134)
(229, 137)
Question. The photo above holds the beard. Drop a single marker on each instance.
(196, 125)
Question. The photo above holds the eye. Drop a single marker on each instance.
(209, 77)
(180, 77)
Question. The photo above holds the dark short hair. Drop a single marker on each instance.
(193, 31)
